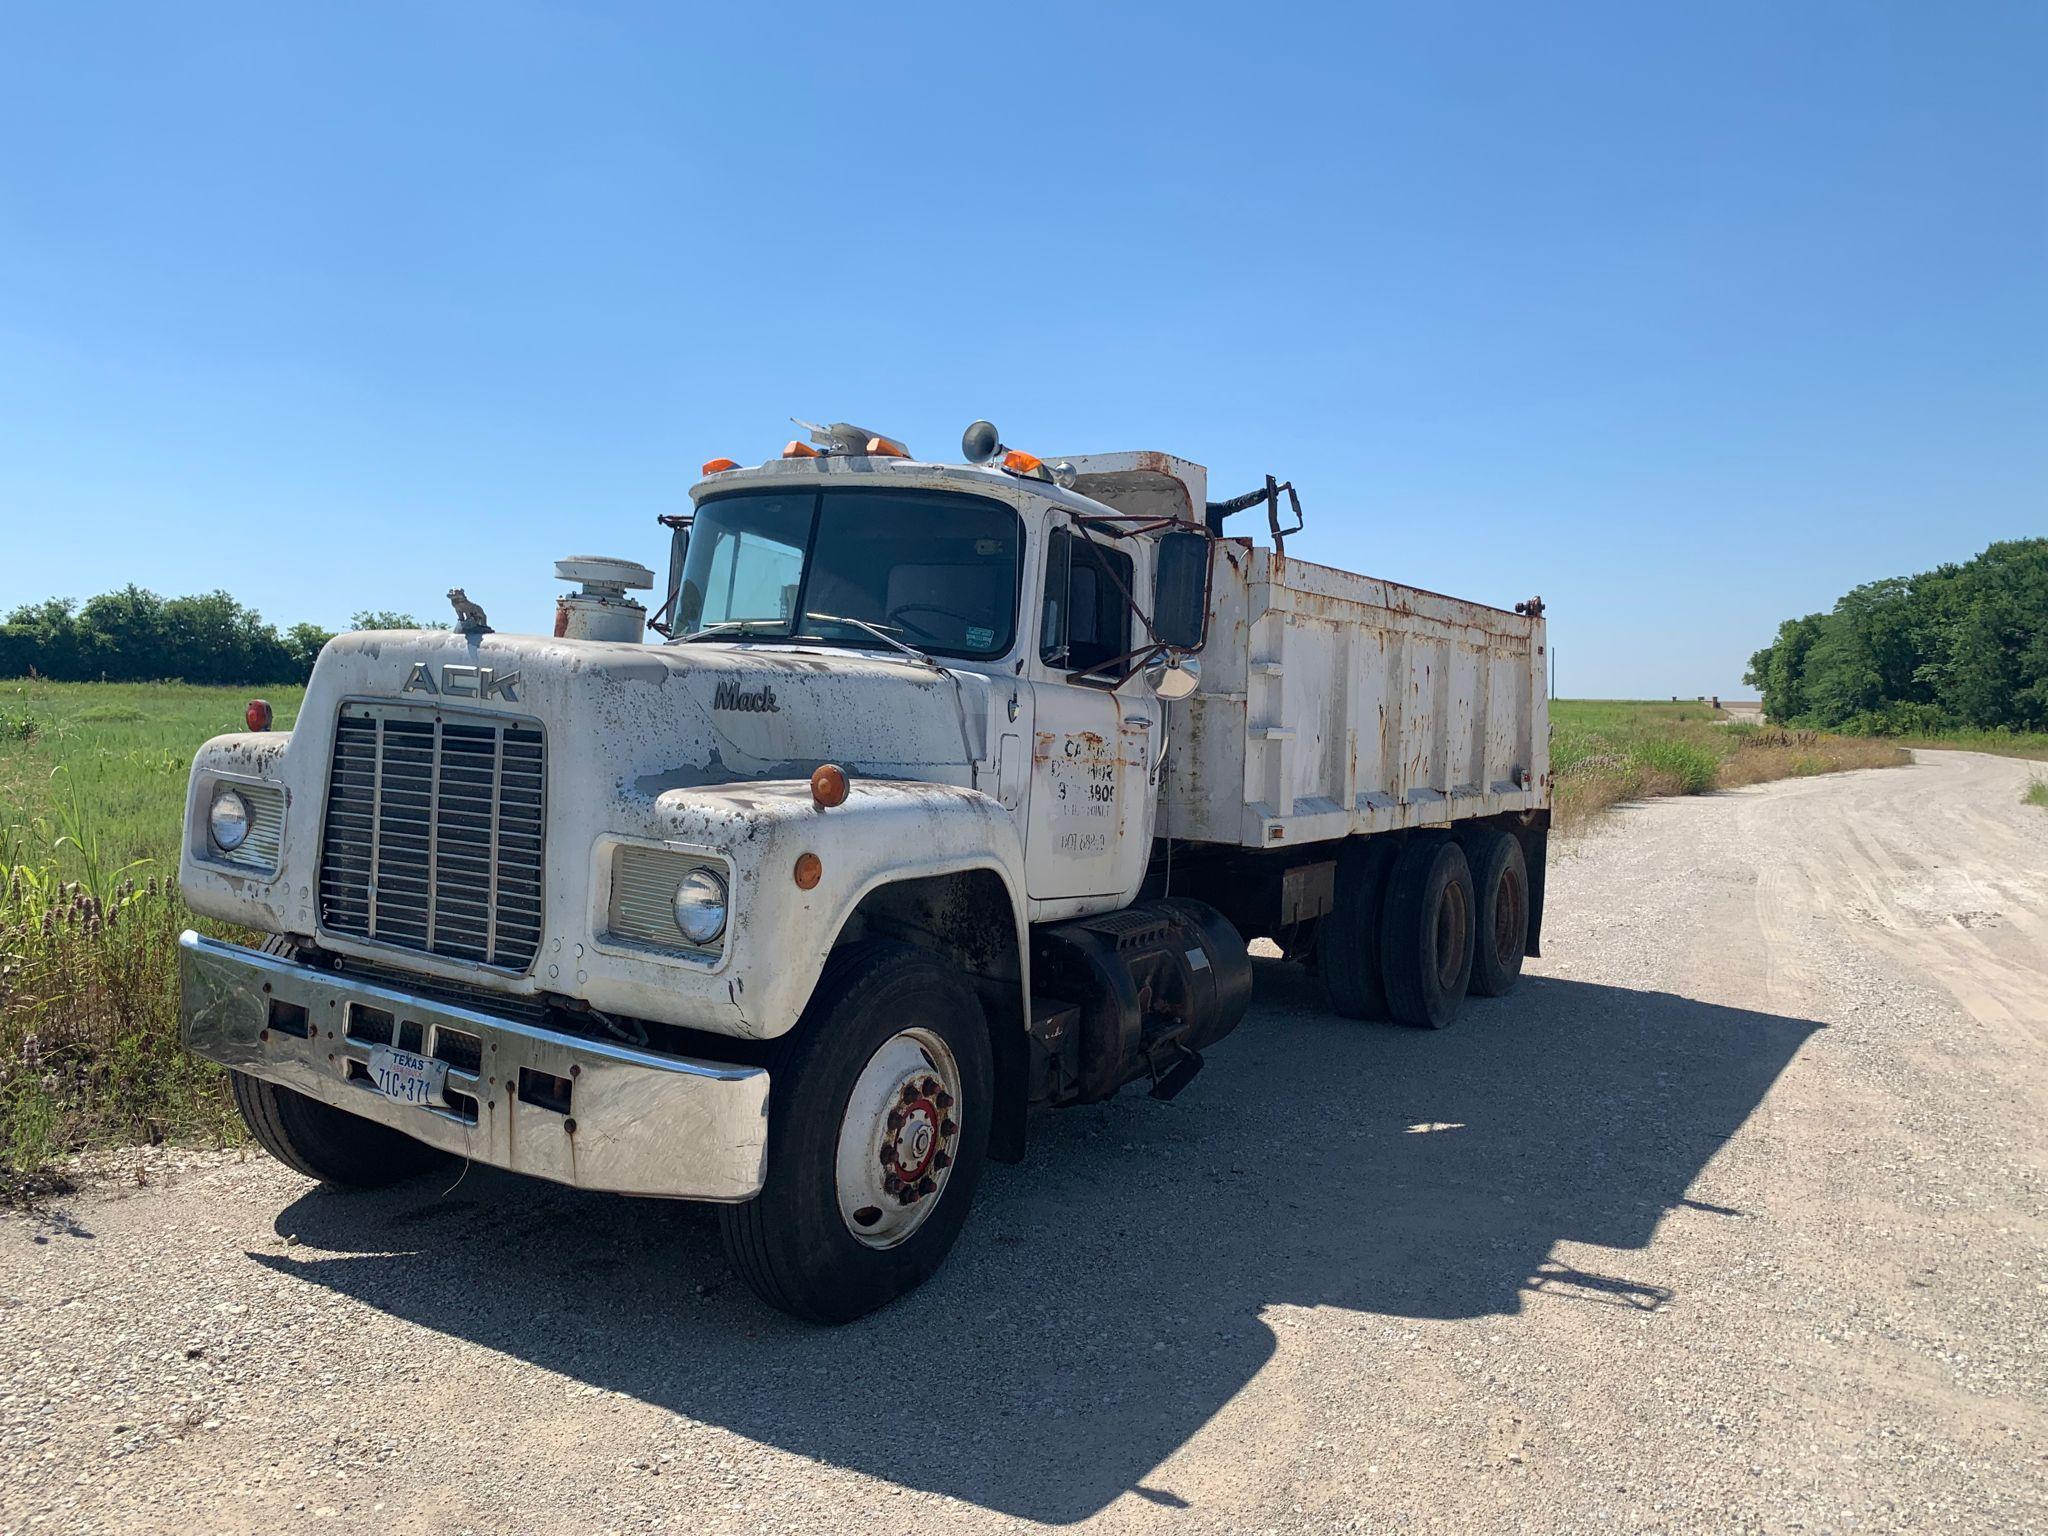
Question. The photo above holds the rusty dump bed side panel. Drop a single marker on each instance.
(1334, 704)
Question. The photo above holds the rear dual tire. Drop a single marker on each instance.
(1426, 932)
(1347, 952)
(1415, 925)
(1500, 891)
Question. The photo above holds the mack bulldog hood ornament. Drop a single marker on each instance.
(469, 618)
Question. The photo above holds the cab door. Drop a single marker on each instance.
(1088, 831)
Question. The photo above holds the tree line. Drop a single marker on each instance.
(1958, 646)
(135, 636)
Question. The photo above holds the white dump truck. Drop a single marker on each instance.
(946, 791)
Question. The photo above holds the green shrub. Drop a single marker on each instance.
(1692, 767)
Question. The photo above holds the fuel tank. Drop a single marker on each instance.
(1140, 990)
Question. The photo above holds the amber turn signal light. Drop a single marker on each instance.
(808, 871)
(713, 466)
(258, 716)
(828, 785)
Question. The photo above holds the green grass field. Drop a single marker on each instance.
(92, 775)
(92, 800)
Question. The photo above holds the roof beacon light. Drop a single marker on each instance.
(1020, 463)
(844, 437)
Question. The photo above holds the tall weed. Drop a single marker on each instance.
(1604, 752)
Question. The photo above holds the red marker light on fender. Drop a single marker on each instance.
(258, 715)
(828, 786)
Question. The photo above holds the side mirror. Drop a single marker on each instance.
(1180, 591)
(678, 551)
(1173, 676)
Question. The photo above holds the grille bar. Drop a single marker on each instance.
(433, 836)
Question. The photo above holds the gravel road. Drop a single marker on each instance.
(1731, 1218)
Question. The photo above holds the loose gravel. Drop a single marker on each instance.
(1730, 1218)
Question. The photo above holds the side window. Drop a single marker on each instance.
(1086, 621)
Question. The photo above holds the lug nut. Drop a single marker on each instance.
(888, 1154)
(910, 1093)
(895, 1120)
(947, 1127)
(906, 1197)
(944, 1100)
(892, 1184)
(925, 1186)
(942, 1160)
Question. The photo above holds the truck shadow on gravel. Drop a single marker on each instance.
(1106, 1299)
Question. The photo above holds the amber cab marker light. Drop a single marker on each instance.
(257, 716)
(713, 466)
(828, 785)
(887, 448)
(808, 871)
(1018, 462)
(796, 450)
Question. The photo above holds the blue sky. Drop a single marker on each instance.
(1687, 317)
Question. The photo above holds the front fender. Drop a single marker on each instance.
(886, 831)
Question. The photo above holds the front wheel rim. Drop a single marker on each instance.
(898, 1139)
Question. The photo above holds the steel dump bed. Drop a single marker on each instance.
(1333, 704)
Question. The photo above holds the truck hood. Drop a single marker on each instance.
(650, 719)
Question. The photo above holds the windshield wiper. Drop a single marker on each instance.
(880, 634)
(720, 628)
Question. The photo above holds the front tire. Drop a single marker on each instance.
(326, 1143)
(879, 1112)
(1426, 933)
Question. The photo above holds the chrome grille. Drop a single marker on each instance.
(433, 833)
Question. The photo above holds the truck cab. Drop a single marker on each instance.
(1029, 597)
(800, 906)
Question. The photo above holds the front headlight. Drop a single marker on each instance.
(700, 906)
(227, 819)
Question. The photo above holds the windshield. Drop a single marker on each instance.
(936, 570)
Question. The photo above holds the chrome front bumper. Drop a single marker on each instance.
(632, 1121)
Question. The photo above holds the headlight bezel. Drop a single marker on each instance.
(266, 804)
(635, 888)
(714, 901)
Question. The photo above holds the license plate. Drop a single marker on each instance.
(405, 1077)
